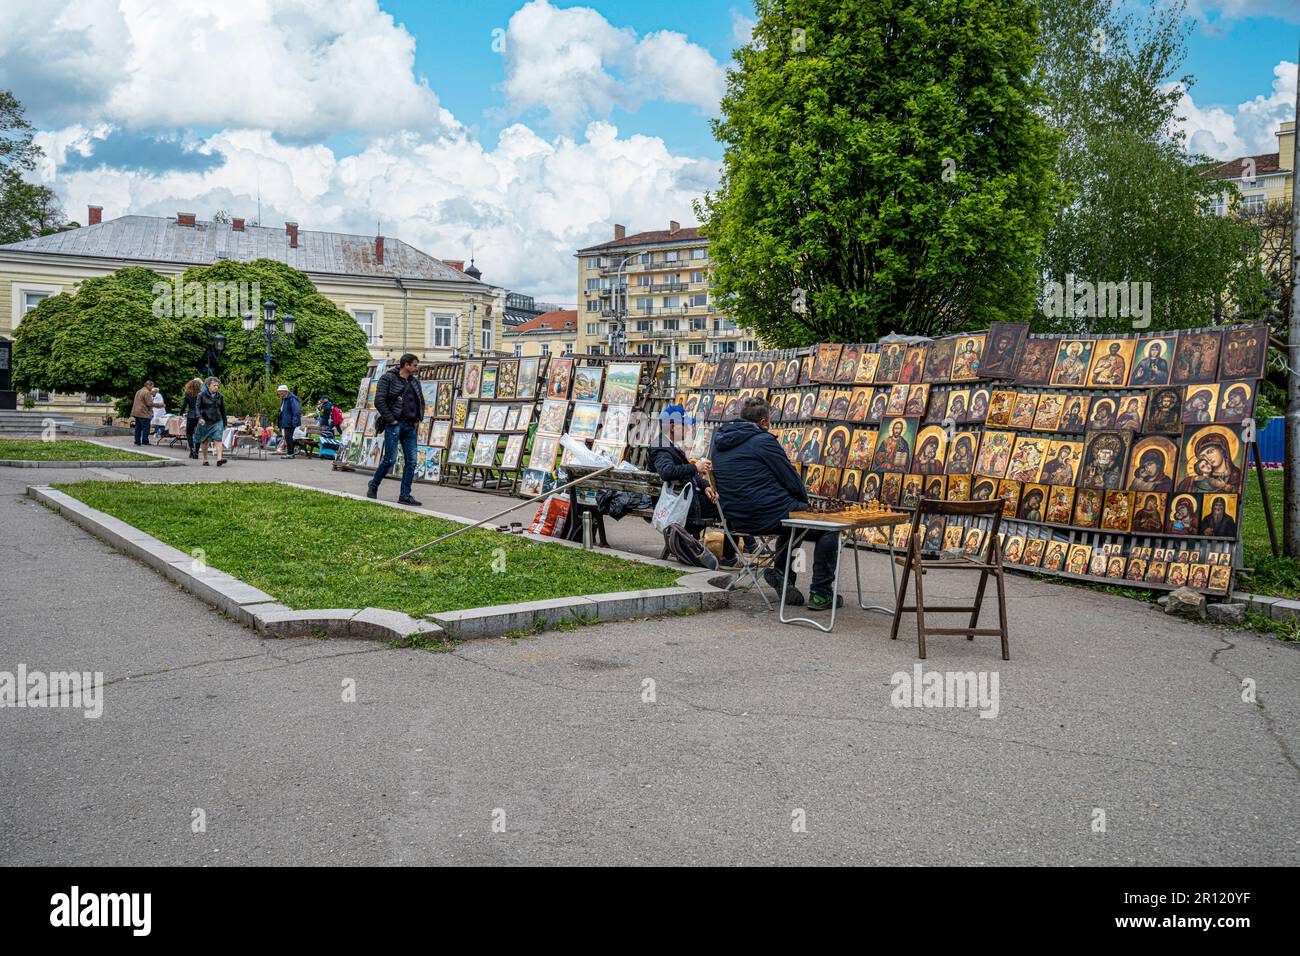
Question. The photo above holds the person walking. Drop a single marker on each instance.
(290, 417)
(325, 416)
(212, 420)
(159, 416)
(190, 409)
(142, 412)
(400, 403)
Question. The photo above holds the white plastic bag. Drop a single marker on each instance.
(582, 455)
(672, 509)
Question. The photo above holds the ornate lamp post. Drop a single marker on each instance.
(215, 344)
(268, 331)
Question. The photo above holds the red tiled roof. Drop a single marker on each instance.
(1234, 168)
(687, 234)
(561, 320)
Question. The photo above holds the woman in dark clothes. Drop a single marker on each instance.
(212, 420)
(190, 409)
(671, 464)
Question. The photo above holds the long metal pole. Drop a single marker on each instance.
(1291, 477)
(528, 501)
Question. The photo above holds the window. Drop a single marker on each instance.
(724, 346)
(647, 257)
(366, 319)
(593, 285)
(645, 306)
(697, 348)
(672, 302)
(700, 300)
(441, 331)
(645, 325)
(644, 280)
(546, 349)
(724, 325)
(697, 276)
(670, 325)
(32, 299)
(594, 350)
(593, 262)
(593, 328)
(670, 255)
(749, 345)
(487, 335)
(568, 348)
(700, 253)
(645, 348)
(1254, 202)
(519, 349)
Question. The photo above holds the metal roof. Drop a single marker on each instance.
(153, 238)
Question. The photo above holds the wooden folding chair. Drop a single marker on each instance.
(988, 564)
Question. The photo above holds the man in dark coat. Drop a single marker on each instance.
(758, 489)
(290, 417)
(400, 403)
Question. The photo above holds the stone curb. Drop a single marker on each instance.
(259, 610)
(235, 599)
(1280, 609)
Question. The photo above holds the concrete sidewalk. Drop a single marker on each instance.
(1107, 705)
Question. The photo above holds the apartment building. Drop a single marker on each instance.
(1260, 179)
(658, 282)
(551, 333)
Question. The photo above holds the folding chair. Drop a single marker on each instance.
(989, 563)
(752, 562)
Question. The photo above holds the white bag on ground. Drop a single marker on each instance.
(671, 508)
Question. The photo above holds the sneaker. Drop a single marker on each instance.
(371, 491)
(775, 579)
(408, 500)
(822, 602)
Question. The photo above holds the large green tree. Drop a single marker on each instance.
(886, 167)
(116, 330)
(1137, 199)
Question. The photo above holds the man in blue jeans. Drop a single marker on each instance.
(400, 403)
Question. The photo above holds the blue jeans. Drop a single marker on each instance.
(142, 430)
(405, 433)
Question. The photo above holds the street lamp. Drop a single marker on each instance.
(214, 345)
(268, 332)
(618, 324)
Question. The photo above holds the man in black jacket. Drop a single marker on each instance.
(759, 488)
(400, 403)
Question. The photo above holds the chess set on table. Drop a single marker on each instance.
(850, 513)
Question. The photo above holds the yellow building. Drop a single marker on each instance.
(405, 299)
(658, 284)
(1262, 179)
(551, 333)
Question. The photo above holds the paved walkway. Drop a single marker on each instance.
(1107, 705)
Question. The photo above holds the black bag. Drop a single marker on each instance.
(688, 550)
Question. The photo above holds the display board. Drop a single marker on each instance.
(1119, 457)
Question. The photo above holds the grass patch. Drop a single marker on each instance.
(1283, 630)
(314, 550)
(33, 449)
(1276, 576)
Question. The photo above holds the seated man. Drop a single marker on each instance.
(669, 461)
(759, 488)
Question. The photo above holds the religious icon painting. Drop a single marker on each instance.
(789, 439)
(973, 542)
(913, 365)
(867, 364)
(995, 453)
(1115, 566)
(1027, 457)
(938, 362)
(827, 361)
(1072, 361)
(1220, 578)
(551, 420)
(894, 448)
(829, 485)
(1060, 505)
(1112, 360)
(1152, 465)
(1177, 574)
(1054, 556)
(1236, 402)
(870, 487)
(861, 447)
(1136, 570)
(1033, 502)
(983, 489)
(825, 396)
(891, 488)
(968, 358)
(879, 402)
(621, 381)
(899, 533)
(957, 405)
(1196, 359)
(847, 369)
(1244, 352)
(897, 400)
(918, 399)
(1199, 403)
(586, 383)
(1184, 515)
(1212, 459)
(1001, 403)
(837, 447)
(840, 404)
(767, 377)
(961, 455)
(1105, 455)
(808, 404)
(1219, 516)
(722, 373)
(1149, 512)
(585, 420)
(1005, 343)
(850, 485)
(810, 452)
(1009, 492)
(1117, 511)
(1157, 568)
(1033, 553)
(1129, 412)
(1077, 559)
(1152, 360)
(461, 444)
(753, 374)
(1088, 503)
(1102, 414)
(1165, 411)
(979, 406)
(913, 488)
(1074, 416)
(738, 372)
(933, 537)
(931, 446)
(952, 537)
(891, 363)
(959, 487)
(859, 405)
(1037, 356)
(1047, 417)
(1022, 412)
(934, 486)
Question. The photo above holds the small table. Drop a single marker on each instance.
(802, 522)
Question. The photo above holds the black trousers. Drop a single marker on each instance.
(824, 545)
(191, 425)
(288, 441)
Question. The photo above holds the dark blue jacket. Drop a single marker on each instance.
(756, 482)
(672, 465)
(290, 412)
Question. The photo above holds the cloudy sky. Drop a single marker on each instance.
(518, 130)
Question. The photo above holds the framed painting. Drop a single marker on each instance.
(586, 383)
(1037, 356)
(938, 361)
(439, 433)
(508, 378)
(1152, 356)
(617, 419)
(894, 449)
(1196, 360)
(552, 419)
(559, 378)
(545, 448)
(1006, 342)
(461, 445)
(1073, 358)
(488, 388)
(1105, 455)
(1212, 460)
(1244, 352)
(460, 413)
(1112, 360)
(585, 420)
(497, 415)
(1152, 465)
(485, 450)
(514, 451)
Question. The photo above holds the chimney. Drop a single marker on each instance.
(236, 225)
(379, 250)
(292, 229)
(457, 264)
(674, 227)
(94, 215)
(185, 219)
(620, 231)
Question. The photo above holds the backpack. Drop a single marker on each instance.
(687, 550)
(336, 417)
